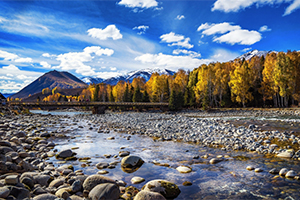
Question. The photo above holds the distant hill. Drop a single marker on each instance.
(145, 73)
(52, 79)
(2, 96)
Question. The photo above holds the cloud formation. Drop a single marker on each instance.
(138, 3)
(13, 57)
(171, 62)
(230, 34)
(111, 31)
(176, 40)
(180, 17)
(264, 29)
(142, 29)
(184, 51)
(234, 5)
(76, 60)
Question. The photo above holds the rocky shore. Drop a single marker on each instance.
(26, 143)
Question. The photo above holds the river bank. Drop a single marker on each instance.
(40, 150)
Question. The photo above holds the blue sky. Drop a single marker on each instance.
(109, 38)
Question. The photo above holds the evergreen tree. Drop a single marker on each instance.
(126, 97)
(137, 95)
(172, 100)
(96, 93)
(145, 97)
(111, 97)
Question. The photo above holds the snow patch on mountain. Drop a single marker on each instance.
(254, 53)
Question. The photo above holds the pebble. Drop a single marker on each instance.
(137, 180)
(258, 170)
(290, 174)
(215, 160)
(250, 168)
(283, 171)
(184, 169)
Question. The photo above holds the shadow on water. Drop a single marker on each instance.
(228, 179)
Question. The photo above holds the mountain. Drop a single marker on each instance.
(2, 97)
(145, 73)
(253, 53)
(52, 79)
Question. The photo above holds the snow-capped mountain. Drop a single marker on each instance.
(91, 80)
(253, 53)
(145, 73)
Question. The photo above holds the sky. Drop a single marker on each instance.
(109, 38)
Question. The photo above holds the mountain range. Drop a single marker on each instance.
(145, 73)
(52, 79)
(65, 80)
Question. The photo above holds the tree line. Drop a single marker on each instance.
(271, 81)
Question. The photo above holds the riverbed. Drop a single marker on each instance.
(228, 179)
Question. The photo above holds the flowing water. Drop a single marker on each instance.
(228, 179)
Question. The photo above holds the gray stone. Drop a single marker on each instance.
(215, 160)
(27, 181)
(43, 180)
(56, 183)
(76, 186)
(290, 174)
(4, 192)
(274, 171)
(65, 153)
(283, 171)
(102, 165)
(147, 195)
(285, 154)
(168, 189)
(105, 191)
(4, 150)
(94, 180)
(45, 197)
(11, 179)
(131, 162)
(19, 192)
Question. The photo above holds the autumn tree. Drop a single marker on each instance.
(240, 83)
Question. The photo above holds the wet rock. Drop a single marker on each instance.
(65, 153)
(285, 154)
(215, 160)
(187, 183)
(131, 162)
(184, 169)
(258, 170)
(102, 165)
(168, 189)
(105, 191)
(148, 195)
(4, 192)
(250, 168)
(124, 153)
(290, 174)
(274, 171)
(137, 180)
(76, 186)
(102, 172)
(283, 171)
(94, 180)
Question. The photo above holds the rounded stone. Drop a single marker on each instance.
(168, 189)
(94, 180)
(285, 154)
(131, 162)
(12, 180)
(215, 160)
(28, 181)
(56, 183)
(45, 197)
(290, 174)
(102, 165)
(4, 192)
(148, 195)
(274, 171)
(184, 169)
(258, 170)
(137, 180)
(250, 168)
(102, 172)
(62, 193)
(65, 153)
(283, 171)
(105, 191)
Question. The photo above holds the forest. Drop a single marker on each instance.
(270, 81)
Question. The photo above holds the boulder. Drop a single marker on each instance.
(105, 191)
(94, 180)
(168, 189)
(147, 195)
(65, 153)
(45, 197)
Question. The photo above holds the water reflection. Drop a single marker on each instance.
(225, 180)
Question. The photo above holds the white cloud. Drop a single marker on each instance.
(211, 29)
(294, 6)
(234, 34)
(247, 49)
(24, 60)
(106, 75)
(138, 3)
(141, 28)
(234, 5)
(113, 68)
(76, 60)
(176, 40)
(5, 78)
(111, 31)
(47, 55)
(184, 51)
(45, 65)
(170, 61)
(8, 56)
(264, 29)
(243, 37)
(180, 17)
